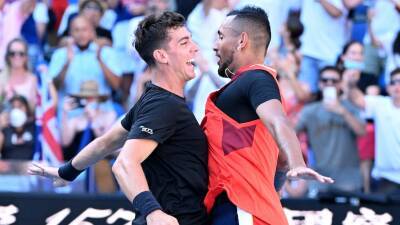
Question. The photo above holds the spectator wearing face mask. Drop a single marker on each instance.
(17, 139)
(351, 62)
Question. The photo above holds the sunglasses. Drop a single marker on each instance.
(333, 80)
(16, 53)
(395, 81)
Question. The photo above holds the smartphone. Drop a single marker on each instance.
(329, 94)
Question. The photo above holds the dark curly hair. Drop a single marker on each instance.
(152, 33)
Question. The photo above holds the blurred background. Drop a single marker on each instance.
(68, 71)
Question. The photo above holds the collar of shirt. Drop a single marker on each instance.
(92, 47)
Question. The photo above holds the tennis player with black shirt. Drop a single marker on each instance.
(162, 167)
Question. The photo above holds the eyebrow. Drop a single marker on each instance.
(184, 38)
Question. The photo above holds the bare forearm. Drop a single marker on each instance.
(128, 173)
(357, 126)
(330, 9)
(95, 151)
(287, 142)
(111, 78)
(301, 93)
(59, 79)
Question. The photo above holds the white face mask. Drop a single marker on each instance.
(17, 117)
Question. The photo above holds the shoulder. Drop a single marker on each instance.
(256, 74)
(157, 101)
(256, 77)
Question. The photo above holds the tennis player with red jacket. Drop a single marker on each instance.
(247, 128)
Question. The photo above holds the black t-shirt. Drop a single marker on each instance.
(240, 98)
(13, 149)
(366, 80)
(176, 171)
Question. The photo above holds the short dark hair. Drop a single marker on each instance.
(152, 33)
(255, 19)
(330, 68)
(24, 101)
(394, 72)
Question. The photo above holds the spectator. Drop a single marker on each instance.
(321, 44)
(34, 30)
(351, 62)
(378, 43)
(12, 16)
(92, 10)
(17, 79)
(17, 139)
(115, 13)
(385, 111)
(84, 60)
(393, 59)
(78, 131)
(332, 126)
(136, 7)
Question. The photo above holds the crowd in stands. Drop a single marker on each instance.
(338, 64)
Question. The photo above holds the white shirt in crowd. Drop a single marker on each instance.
(324, 36)
(387, 137)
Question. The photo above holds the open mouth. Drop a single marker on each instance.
(191, 62)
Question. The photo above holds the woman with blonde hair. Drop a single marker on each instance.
(17, 79)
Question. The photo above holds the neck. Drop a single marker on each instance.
(168, 81)
(248, 61)
(18, 71)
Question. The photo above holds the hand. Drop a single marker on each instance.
(306, 173)
(350, 78)
(48, 172)
(69, 104)
(335, 107)
(158, 217)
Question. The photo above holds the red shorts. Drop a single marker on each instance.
(366, 144)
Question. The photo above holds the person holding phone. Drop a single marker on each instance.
(332, 125)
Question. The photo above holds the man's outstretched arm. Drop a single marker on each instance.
(272, 115)
(93, 152)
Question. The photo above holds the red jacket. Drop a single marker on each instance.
(242, 161)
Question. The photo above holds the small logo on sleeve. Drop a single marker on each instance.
(146, 130)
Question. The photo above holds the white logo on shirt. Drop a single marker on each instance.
(146, 130)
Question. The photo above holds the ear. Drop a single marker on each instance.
(243, 41)
(160, 56)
